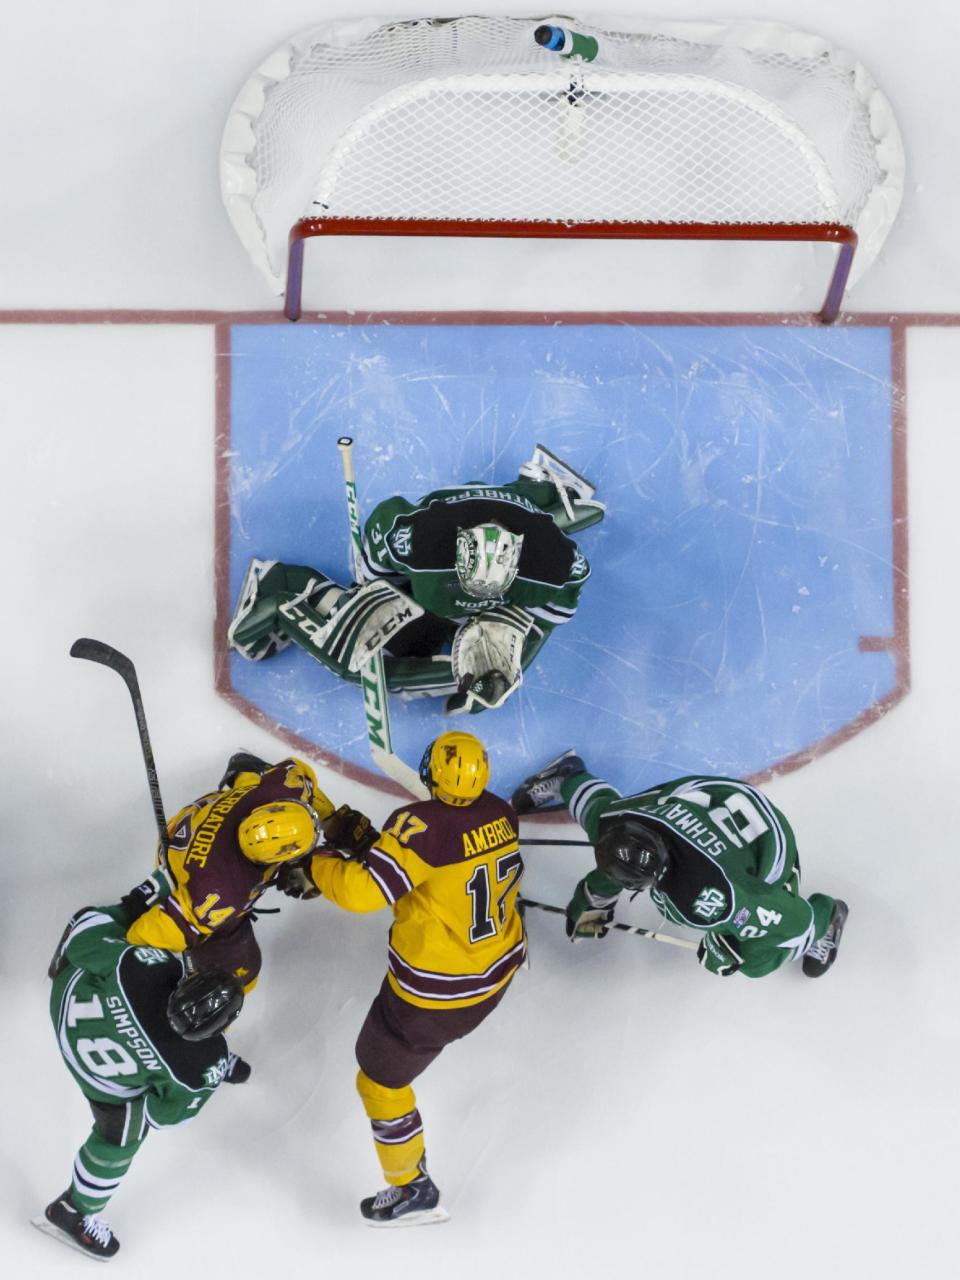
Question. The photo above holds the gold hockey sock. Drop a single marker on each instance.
(397, 1128)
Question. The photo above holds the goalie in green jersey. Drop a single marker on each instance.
(716, 856)
(461, 590)
(142, 1037)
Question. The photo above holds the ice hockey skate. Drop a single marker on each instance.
(415, 1204)
(83, 1231)
(822, 954)
(577, 510)
(541, 791)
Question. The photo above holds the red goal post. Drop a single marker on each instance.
(470, 127)
(845, 238)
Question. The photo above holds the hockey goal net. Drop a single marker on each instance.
(470, 127)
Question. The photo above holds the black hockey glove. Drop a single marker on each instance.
(350, 831)
(589, 916)
(238, 1071)
(293, 879)
(718, 954)
(139, 900)
(241, 762)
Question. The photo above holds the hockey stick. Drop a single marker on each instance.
(578, 844)
(373, 680)
(622, 928)
(97, 651)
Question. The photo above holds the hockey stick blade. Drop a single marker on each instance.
(97, 651)
(621, 928)
(107, 656)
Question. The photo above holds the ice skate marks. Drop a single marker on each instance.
(741, 613)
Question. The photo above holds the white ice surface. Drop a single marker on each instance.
(622, 1111)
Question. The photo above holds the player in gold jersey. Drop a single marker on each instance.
(450, 868)
(225, 851)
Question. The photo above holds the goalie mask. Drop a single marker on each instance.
(278, 832)
(455, 768)
(204, 1003)
(632, 852)
(488, 557)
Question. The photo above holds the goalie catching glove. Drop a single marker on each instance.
(486, 658)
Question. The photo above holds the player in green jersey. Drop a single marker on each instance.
(142, 1038)
(716, 856)
(461, 589)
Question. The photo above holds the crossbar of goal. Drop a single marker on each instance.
(830, 233)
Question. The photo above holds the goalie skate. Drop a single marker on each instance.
(576, 492)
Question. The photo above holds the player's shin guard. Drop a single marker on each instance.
(105, 1157)
(397, 1129)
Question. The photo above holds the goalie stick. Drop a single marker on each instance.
(373, 681)
(623, 928)
(97, 651)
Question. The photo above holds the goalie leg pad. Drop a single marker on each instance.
(253, 630)
(420, 677)
(364, 622)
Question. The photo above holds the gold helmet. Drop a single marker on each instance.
(455, 768)
(278, 832)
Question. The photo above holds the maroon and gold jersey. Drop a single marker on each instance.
(213, 882)
(452, 876)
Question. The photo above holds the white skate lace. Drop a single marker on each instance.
(97, 1229)
(387, 1198)
(821, 949)
(545, 789)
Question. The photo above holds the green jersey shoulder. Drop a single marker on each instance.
(734, 866)
(417, 541)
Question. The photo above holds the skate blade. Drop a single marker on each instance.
(49, 1229)
(564, 472)
(425, 1218)
(552, 764)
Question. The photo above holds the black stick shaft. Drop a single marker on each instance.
(97, 651)
(623, 928)
(578, 844)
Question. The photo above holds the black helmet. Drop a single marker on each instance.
(203, 1003)
(632, 852)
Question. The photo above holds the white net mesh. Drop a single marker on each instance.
(686, 149)
(470, 118)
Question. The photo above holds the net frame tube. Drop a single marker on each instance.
(844, 237)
